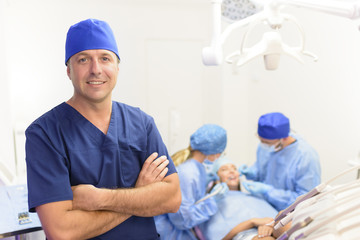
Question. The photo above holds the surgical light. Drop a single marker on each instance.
(271, 46)
(235, 10)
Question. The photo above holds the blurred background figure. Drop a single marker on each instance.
(207, 143)
(286, 165)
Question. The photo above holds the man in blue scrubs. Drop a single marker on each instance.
(286, 165)
(96, 168)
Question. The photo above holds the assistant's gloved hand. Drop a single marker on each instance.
(242, 167)
(210, 177)
(222, 189)
(249, 172)
(257, 188)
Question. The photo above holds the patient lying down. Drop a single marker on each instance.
(240, 216)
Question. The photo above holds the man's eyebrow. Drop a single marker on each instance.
(82, 54)
(106, 54)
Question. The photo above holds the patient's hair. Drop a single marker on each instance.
(182, 155)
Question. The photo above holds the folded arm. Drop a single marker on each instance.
(149, 200)
(60, 221)
(154, 194)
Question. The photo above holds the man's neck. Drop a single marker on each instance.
(98, 114)
(288, 140)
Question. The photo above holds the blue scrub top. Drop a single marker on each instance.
(292, 171)
(64, 149)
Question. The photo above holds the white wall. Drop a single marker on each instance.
(6, 139)
(321, 99)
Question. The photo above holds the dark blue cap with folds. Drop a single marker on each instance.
(273, 126)
(89, 34)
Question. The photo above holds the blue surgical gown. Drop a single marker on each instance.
(234, 208)
(177, 226)
(64, 149)
(292, 171)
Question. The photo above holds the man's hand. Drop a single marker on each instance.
(153, 170)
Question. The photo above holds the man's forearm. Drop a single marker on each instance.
(150, 200)
(59, 221)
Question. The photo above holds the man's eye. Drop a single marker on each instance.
(106, 59)
(82, 60)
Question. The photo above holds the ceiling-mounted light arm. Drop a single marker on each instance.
(213, 55)
(251, 27)
(339, 8)
(252, 23)
(302, 39)
(257, 17)
(216, 13)
(271, 46)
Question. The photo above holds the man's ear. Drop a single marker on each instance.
(68, 71)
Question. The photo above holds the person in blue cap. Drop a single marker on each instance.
(286, 165)
(97, 168)
(208, 142)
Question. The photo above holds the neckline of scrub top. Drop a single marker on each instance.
(94, 132)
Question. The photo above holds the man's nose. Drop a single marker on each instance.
(95, 67)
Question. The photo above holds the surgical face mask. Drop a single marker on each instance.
(207, 161)
(208, 165)
(212, 157)
(271, 148)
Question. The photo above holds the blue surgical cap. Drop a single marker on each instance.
(273, 126)
(89, 34)
(209, 139)
(220, 162)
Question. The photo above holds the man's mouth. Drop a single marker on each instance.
(95, 82)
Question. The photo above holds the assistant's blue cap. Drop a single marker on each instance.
(89, 34)
(209, 139)
(273, 126)
(220, 162)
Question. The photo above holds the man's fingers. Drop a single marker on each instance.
(150, 159)
(153, 170)
(162, 174)
(159, 166)
(158, 169)
(158, 163)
